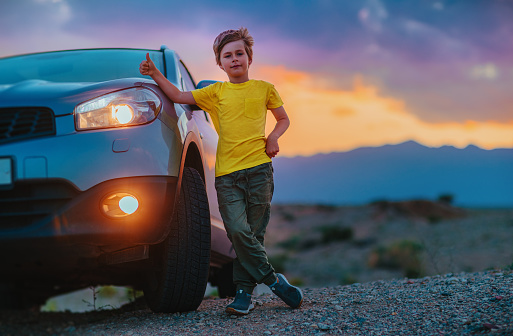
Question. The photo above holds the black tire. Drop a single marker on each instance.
(178, 275)
(224, 281)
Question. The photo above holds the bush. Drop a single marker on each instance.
(289, 217)
(326, 207)
(446, 198)
(434, 219)
(329, 234)
(278, 262)
(290, 244)
(404, 255)
(348, 279)
(335, 233)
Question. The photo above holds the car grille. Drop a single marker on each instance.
(30, 202)
(25, 122)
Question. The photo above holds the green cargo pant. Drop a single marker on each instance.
(244, 198)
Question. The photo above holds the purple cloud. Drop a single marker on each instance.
(448, 60)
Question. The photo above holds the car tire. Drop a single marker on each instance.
(224, 281)
(178, 274)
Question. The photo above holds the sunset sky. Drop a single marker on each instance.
(352, 73)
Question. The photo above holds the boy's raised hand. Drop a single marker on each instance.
(147, 67)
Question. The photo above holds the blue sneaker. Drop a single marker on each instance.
(241, 305)
(291, 295)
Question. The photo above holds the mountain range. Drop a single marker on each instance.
(472, 176)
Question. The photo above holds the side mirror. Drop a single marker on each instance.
(201, 85)
(205, 83)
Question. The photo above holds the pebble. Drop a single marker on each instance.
(323, 326)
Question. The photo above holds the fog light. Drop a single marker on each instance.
(128, 204)
(119, 205)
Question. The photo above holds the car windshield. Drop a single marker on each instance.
(94, 65)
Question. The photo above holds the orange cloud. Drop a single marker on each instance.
(327, 120)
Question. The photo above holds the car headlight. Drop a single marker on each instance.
(128, 107)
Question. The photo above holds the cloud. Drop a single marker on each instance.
(36, 25)
(446, 61)
(372, 15)
(369, 118)
(484, 71)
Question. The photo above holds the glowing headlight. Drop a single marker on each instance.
(128, 107)
(119, 204)
(122, 113)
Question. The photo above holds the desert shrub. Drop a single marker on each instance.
(348, 279)
(326, 207)
(292, 243)
(404, 255)
(333, 233)
(278, 262)
(289, 217)
(446, 198)
(296, 243)
(381, 204)
(328, 234)
(434, 219)
(308, 244)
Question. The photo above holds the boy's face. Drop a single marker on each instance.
(235, 61)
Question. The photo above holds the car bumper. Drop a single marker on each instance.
(71, 217)
(77, 227)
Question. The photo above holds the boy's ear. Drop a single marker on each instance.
(221, 67)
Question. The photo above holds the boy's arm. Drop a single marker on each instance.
(282, 123)
(148, 68)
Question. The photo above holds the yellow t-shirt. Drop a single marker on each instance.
(238, 112)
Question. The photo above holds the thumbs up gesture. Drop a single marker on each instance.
(147, 67)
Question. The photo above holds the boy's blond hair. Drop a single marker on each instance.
(232, 35)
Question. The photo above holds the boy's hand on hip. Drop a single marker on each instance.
(147, 67)
(272, 147)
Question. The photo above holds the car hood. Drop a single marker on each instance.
(60, 97)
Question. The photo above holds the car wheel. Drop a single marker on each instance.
(224, 281)
(178, 275)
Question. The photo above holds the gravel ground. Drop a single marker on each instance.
(452, 304)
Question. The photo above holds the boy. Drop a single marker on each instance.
(244, 173)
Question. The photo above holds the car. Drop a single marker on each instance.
(105, 181)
